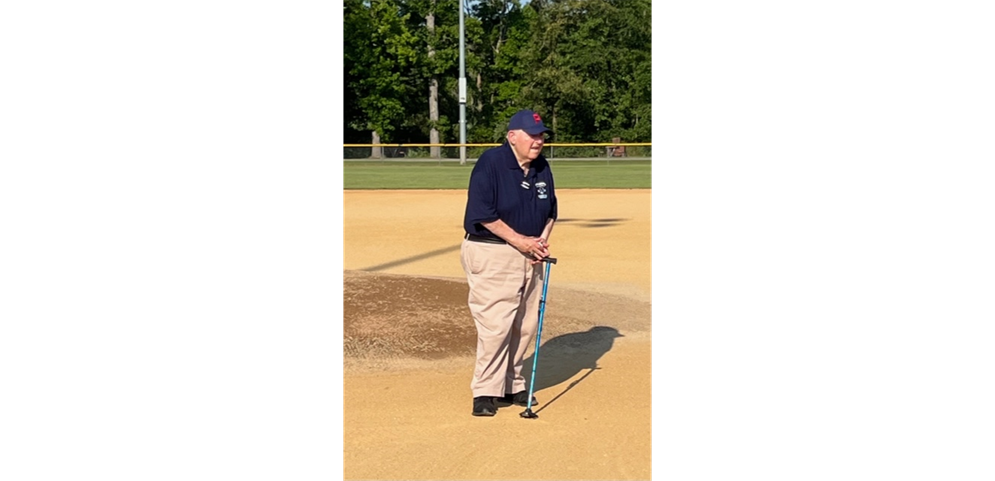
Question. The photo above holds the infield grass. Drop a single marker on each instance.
(617, 174)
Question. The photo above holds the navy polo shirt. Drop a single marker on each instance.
(500, 190)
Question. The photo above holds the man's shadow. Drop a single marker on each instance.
(563, 357)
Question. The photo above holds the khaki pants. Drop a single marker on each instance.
(504, 301)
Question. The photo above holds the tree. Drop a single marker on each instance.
(584, 65)
(353, 23)
(380, 52)
(438, 67)
(594, 67)
(505, 38)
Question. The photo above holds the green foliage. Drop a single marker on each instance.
(584, 65)
(594, 79)
(382, 54)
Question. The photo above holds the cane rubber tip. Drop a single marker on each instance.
(527, 414)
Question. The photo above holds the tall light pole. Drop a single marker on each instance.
(462, 90)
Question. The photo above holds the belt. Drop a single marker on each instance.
(489, 240)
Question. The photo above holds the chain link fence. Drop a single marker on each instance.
(421, 152)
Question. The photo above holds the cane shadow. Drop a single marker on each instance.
(563, 357)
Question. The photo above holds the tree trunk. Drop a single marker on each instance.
(480, 101)
(377, 151)
(433, 116)
(433, 92)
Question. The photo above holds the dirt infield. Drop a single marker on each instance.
(409, 345)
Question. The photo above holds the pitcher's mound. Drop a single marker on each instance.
(389, 316)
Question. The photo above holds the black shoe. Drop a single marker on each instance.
(484, 406)
(520, 398)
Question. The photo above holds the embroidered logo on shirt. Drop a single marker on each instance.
(541, 187)
(525, 184)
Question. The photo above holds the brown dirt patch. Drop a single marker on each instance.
(388, 316)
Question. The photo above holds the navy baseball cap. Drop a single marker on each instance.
(528, 121)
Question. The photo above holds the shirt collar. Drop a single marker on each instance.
(512, 162)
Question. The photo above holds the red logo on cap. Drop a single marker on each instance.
(536, 117)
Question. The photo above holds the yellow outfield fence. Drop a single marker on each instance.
(604, 151)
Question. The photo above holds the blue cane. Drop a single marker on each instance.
(528, 414)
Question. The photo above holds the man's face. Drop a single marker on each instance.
(525, 145)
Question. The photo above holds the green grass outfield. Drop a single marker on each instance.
(617, 174)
